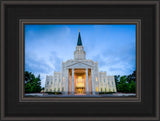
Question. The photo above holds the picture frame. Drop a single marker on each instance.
(14, 14)
(24, 22)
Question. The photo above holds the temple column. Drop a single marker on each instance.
(87, 86)
(72, 81)
(93, 88)
(66, 91)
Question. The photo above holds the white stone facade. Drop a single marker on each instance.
(80, 76)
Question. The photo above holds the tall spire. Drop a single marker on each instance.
(79, 53)
(79, 43)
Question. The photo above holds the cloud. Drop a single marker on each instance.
(115, 62)
(41, 65)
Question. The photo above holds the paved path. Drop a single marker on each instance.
(103, 95)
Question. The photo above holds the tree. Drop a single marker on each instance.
(132, 87)
(123, 86)
(131, 77)
(42, 88)
(117, 77)
(32, 83)
(126, 83)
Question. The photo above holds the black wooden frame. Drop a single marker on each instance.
(13, 108)
(23, 22)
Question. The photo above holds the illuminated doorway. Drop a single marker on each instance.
(80, 85)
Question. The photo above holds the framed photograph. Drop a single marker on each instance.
(80, 60)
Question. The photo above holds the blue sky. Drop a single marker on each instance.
(113, 46)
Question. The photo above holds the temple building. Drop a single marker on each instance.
(80, 76)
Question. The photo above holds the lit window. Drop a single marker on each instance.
(97, 89)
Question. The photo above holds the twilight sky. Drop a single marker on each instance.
(113, 46)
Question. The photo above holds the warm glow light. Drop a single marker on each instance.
(80, 82)
(97, 89)
(96, 79)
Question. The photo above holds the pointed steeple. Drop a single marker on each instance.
(79, 53)
(79, 43)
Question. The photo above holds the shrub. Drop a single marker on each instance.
(55, 93)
